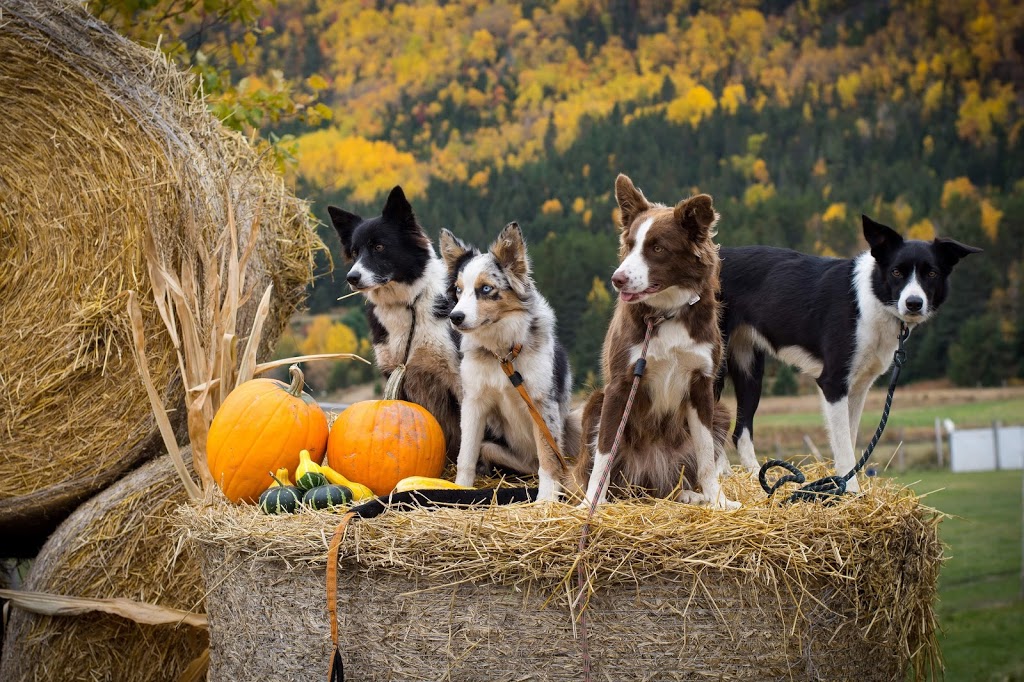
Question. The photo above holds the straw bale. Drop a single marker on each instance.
(768, 592)
(118, 544)
(103, 142)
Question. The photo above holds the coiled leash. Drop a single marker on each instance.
(638, 372)
(831, 488)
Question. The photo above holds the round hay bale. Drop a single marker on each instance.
(795, 592)
(118, 544)
(102, 143)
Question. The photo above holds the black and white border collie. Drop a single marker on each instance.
(674, 439)
(835, 319)
(396, 269)
(497, 307)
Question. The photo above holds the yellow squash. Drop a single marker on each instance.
(426, 483)
(359, 491)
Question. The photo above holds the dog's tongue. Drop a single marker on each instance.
(629, 298)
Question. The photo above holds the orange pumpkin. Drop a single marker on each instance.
(380, 442)
(261, 427)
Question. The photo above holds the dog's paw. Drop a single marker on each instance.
(720, 501)
(691, 497)
(723, 503)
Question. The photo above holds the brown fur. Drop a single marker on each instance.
(657, 451)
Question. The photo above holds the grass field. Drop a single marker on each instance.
(980, 608)
(964, 415)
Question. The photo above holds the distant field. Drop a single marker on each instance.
(782, 422)
(980, 608)
(912, 408)
(964, 416)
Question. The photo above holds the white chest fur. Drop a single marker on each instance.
(877, 328)
(672, 358)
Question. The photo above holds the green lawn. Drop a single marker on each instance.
(964, 415)
(980, 609)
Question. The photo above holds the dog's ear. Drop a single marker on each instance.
(632, 201)
(398, 210)
(697, 215)
(509, 249)
(951, 251)
(453, 249)
(345, 223)
(881, 238)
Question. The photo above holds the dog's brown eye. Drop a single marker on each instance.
(932, 273)
(378, 247)
(658, 249)
(897, 274)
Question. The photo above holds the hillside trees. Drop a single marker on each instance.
(797, 117)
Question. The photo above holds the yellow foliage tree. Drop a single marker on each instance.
(923, 229)
(733, 96)
(326, 336)
(551, 207)
(835, 213)
(367, 168)
(957, 187)
(695, 105)
(990, 217)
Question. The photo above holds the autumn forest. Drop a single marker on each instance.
(797, 117)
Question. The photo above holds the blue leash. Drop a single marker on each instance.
(832, 487)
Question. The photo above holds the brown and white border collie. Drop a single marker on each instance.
(675, 437)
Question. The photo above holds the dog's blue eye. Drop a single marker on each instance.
(486, 289)
(458, 291)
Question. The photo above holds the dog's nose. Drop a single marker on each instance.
(457, 317)
(619, 279)
(353, 278)
(915, 304)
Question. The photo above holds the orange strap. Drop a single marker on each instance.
(517, 380)
(335, 671)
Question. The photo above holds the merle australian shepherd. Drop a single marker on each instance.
(835, 319)
(674, 439)
(405, 283)
(498, 308)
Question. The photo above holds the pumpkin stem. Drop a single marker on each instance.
(298, 381)
(394, 386)
(275, 477)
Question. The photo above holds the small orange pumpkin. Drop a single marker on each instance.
(380, 442)
(261, 427)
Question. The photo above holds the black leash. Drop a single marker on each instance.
(832, 487)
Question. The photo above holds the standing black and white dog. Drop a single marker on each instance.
(405, 285)
(497, 310)
(837, 320)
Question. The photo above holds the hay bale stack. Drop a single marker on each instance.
(799, 592)
(101, 143)
(118, 544)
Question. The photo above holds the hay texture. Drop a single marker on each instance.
(118, 544)
(103, 146)
(794, 592)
